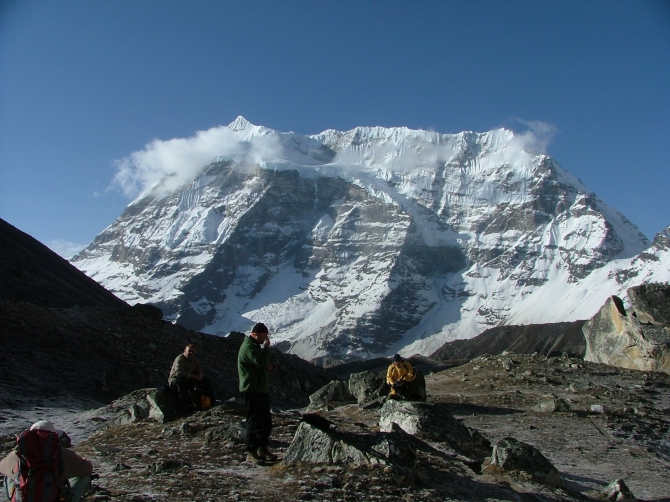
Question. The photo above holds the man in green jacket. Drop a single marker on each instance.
(253, 362)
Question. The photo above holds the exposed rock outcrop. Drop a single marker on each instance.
(617, 491)
(333, 393)
(520, 459)
(433, 422)
(316, 446)
(366, 386)
(637, 339)
(651, 303)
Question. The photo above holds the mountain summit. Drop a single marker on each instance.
(371, 241)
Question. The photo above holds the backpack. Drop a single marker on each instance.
(199, 398)
(39, 468)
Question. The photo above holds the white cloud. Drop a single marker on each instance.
(65, 249)
(164, 166)
(536, 137)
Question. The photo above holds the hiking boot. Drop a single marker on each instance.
(255, 458)
(266, 454)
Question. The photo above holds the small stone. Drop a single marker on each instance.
(324, 482)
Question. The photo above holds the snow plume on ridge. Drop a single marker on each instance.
(163, 166)
(536, 138)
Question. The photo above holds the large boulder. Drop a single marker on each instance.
(638, 339)
(522, 460)
(366, 386)
(313, 445)
(164, 406)
(434, 422)
(335, 393)
(151, 403)
(651, 303)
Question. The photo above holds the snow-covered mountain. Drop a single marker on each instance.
(371, 241)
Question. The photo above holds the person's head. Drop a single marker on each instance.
(259, 332)
(189, 350)
(45, 425)
(397, 359)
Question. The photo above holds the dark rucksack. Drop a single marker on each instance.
(39, 468)
(198, 397)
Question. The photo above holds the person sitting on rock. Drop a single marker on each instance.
(405, 381)
(187, 379)
(77, 470)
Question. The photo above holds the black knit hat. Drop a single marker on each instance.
(259, 328)
(397, 358)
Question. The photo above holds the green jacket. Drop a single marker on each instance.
(252, 364)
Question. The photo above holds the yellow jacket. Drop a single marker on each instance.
(398, 371)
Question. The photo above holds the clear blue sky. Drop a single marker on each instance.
(86, 83)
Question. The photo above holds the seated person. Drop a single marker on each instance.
(405, 381)
(76, 469)
(187, 379)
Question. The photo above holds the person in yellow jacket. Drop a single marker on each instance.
(398, 375)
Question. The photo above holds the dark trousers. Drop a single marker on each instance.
(184, 385)
(259, 420)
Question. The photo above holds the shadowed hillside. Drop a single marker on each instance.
(31, 272)
(545, 339)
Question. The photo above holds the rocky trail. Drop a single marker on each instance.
(594, 423)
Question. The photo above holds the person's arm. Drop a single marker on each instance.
(7, 464)
(410, 375)
(74, 465)
(255, 356)
(389, 375)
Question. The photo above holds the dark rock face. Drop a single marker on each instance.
(514, 457)
(101, 353)
(639, 339)
(545, 339)
(31, 272)
(150, 311)
(651, 303)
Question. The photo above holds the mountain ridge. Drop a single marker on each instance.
(372, 241)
